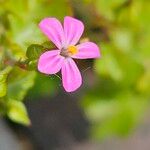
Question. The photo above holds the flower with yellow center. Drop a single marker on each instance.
(66, 38)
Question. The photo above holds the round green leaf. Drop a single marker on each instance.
(34, 51)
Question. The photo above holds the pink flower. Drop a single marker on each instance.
(65, 38)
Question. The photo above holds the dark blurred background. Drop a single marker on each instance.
(111, 109)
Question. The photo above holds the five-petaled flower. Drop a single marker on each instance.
(65, 38)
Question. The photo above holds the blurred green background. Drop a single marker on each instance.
(116, 89)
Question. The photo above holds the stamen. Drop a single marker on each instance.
(72, 50)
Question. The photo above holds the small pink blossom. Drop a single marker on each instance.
(65, 38)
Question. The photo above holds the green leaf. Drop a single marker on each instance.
(3, 77)
(17, 112)
(18, 86)
(34, 51)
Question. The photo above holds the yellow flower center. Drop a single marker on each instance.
(72, 50)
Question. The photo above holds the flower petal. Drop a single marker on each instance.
(87, 50)
(73, 30)
(71, 76)
(53, 29)
(50, 62)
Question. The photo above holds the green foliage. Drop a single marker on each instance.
(18, 86)
(117, 114)
(110, 65)
(14, 84)
(107, 8)
(119, 95)
(34, 51)
(44, 86)
(18, 30)
(17, 112)
(3, 81)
